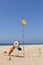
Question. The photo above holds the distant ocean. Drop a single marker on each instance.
(3, 44)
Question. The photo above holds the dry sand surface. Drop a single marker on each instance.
(33, 55)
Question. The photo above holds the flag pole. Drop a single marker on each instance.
(23, 23)
(23, 38)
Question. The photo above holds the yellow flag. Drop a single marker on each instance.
(24, 22)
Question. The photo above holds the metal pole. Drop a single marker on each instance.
(23, 38)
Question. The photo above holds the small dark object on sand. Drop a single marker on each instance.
(9, 58)
(5, 51)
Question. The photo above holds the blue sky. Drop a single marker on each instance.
(11, 14)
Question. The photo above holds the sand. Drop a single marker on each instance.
(33, 55)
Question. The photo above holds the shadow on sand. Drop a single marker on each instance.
(17, 56)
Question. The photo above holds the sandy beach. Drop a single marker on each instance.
(33, 55)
